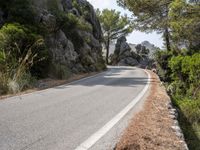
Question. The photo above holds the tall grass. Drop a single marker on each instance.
(14, 73)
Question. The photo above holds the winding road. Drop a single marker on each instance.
(73, 116)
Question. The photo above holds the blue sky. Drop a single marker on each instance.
(136, 37)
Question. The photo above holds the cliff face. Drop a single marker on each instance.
(71, 31)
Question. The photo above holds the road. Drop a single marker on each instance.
(63, 117)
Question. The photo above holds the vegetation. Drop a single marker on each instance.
(24, 55)
(142, 50)
(179, 67)
(20, 51)
(150, 15)
(185, 91)
(114, 26)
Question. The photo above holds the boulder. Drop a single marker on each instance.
(123, 55)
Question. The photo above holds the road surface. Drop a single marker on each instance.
(63, 117)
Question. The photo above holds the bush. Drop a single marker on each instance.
(60, 71)
(189, 119)
(185, 74)
(189, 107)
(18, 11)
(162, 58)
(19, 50)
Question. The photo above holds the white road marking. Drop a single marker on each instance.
(101, 132)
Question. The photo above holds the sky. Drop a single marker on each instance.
(136, 37)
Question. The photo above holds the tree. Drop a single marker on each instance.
(185, 23)
(150, 15)
(114, 25)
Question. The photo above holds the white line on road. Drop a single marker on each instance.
(101, 132)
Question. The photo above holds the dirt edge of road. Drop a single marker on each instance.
(49, 83)
(155, 127)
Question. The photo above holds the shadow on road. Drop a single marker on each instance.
(113, 78)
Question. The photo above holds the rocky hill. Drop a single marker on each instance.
(131, 55)
(123, 55)
(152, 48)
(70, 29)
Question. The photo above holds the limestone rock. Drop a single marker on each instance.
(62, 41)
(123, 55)
(61, 49)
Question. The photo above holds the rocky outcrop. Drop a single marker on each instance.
(143, 52)
(82, 54)
(123, 55)
(151, 47)
(62, 49)
(72, 33)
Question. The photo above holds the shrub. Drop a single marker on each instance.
(189, 119)
(53, 5)
(162, 58)
(19, 11)
(100, 66)
(60, 71)
(189, 107)
(186, 74)
(19, 50)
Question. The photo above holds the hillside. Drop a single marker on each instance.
(48, 38)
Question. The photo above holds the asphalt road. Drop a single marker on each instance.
(63, 117)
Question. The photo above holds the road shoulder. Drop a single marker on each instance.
(152, 128)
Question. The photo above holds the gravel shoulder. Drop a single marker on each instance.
(153, 127)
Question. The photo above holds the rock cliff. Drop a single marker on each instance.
(70, 28)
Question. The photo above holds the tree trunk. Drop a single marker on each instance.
(107, 49)
(167, 39)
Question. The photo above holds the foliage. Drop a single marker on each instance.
(18, 11)
(114, 25)
(60, 71)
(186, 74)
(189, 118)
(179, 22)
(150, 15)
(191, 109)
(181, 72)
(142, 50)
(53, 5)
(19, 51)
(162, 58)
(184, 23)
(100, 65)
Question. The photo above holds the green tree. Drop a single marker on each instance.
(114, 25)
(150, 15)
(184, 23)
